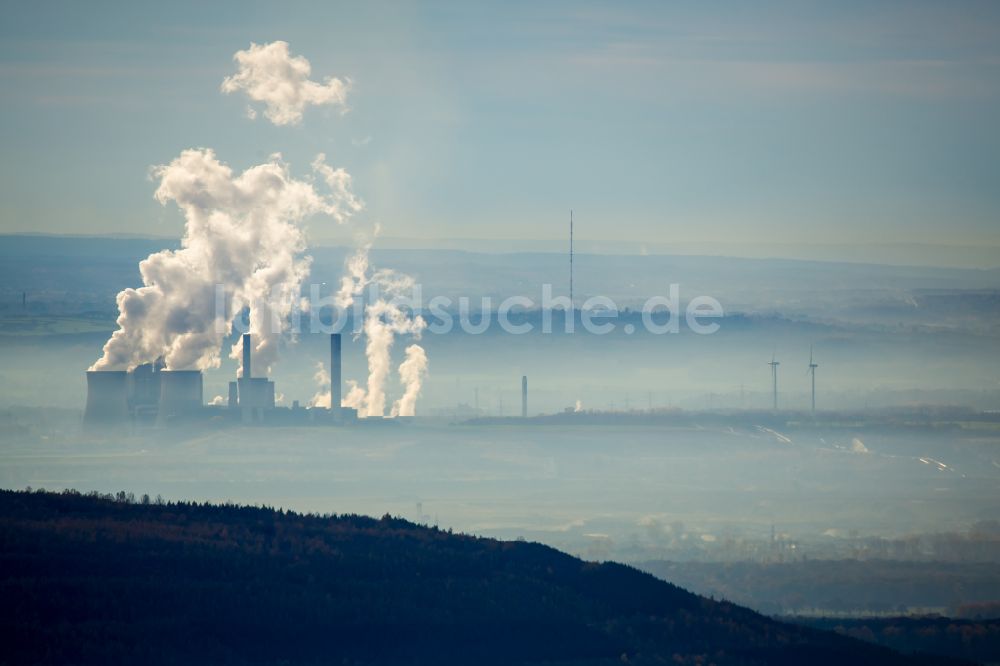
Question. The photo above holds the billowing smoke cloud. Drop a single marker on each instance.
(411, 374)
(268, 73)
(243, 248)
(241, 238)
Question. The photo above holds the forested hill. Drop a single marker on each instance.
(102, 580)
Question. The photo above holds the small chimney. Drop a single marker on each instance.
(246, 356)
(524, 396)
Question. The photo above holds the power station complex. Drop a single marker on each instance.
(152, 395)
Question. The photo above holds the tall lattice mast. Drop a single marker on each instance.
(571, 260)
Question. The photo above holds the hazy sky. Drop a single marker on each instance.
(661, 122)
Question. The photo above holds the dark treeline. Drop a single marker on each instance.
(92, 579)
(978, 640)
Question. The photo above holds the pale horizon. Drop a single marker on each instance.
(675, 124)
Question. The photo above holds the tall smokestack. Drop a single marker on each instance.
(524, 396)
(246, 356)
(335, 372)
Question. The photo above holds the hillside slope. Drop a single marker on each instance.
(87, 579)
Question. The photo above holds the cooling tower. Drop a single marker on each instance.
(180, 394)
(335, 372)
(107, 397)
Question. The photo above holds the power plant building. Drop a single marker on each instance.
(149, 394)
(144, 392)
(145, 395)
(256, 394)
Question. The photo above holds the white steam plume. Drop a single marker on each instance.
(341, 188)
(411, 374)
(269, 74)
(355, 277)
(241, 238)
(355, 398)
(323, 397)
(384, 319)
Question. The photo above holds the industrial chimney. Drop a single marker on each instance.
(107, 397)
(254, 395)
(181, 394)
(524, 396)
(246, 356)
(335, 373)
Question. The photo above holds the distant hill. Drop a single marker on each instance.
(44, 266)
(102, 580)
(849, 586)
(977, 640)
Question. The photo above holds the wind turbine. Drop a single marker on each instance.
(774, 378)
(812, 371)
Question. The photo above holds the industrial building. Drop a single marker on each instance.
(151, 395)
(254, 396)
